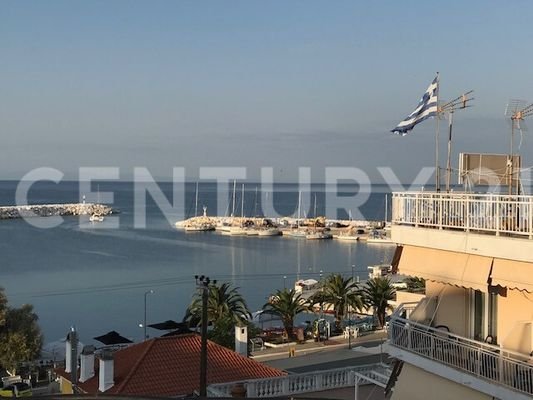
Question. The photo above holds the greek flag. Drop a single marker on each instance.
(427, 107)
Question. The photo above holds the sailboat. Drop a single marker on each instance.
(380, 236)
(317, 234)
(199, 224)
(240, 229)
(297, 232)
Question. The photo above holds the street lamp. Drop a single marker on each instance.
(144, 324)
(353, 273)
(284, 281)
(202, 283)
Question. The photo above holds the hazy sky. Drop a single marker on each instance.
(253, 83)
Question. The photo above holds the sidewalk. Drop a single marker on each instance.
(336, 343)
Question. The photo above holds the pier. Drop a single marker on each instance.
(52, 210)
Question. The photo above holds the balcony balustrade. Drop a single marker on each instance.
(307, 382)
(485, 213)
(488, 362)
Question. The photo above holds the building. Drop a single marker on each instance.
(165, 367)
(472, 336)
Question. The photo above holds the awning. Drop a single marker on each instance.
(512, 274)
(459, 269)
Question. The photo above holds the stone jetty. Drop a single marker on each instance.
(51, 210)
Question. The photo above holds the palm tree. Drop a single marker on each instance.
(223, 303)
(286, 304)
(342, 294)
(377, 293)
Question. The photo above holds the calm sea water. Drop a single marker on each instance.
(95, 278)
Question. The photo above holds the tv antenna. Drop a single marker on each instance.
(459, 103)
(516, 111)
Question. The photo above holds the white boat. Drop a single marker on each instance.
(318, 235)
(96, 218)
(377, 237)
(268, 232)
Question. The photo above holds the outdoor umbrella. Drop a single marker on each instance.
(112, 337)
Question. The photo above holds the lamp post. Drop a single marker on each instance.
(144, 322)
(202, 283)
(353, 273)
(284, 281)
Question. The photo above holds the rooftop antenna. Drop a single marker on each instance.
(516, 111)
(459, 103)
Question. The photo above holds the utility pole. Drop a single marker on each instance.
(202, 283)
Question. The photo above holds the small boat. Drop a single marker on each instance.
(377, 237)
(96, 218)
(318, 235)
(200, 227)
(268, 232)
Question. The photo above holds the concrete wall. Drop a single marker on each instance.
(520, 249)
(452, 306)
(515, 321)
(417, 384)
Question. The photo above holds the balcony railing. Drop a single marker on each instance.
(307, 382)
(489, 213)
(492, 363)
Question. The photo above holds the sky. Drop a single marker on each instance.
(281, 84)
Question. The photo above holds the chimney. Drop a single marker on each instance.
(87, 363)
(241, 340)
(71, 351)
(106, 374)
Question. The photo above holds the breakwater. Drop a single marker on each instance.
(52, 210)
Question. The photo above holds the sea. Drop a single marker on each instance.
(96, 277)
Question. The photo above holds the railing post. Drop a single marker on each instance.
(530, 218)
(417, 205)
(251, 389)
(285, 387)
(318, 381)
(409, 344)
(498, 216)
(467, 214)
(440, 202)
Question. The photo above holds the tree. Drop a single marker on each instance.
(415, 284)
(20, 336)
(286, 304)
(342, 294)
(377, 293)
(224, 303)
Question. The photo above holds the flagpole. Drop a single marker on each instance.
(449, 162)
(437, 168)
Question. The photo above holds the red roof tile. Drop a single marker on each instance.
(170, 366)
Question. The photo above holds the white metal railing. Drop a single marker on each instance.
(307, 382)
(489, 362)
(491, 213)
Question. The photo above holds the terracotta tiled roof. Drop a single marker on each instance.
(170, 366)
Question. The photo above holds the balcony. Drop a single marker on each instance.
(319, 381)
(481, 224)
(484, 367)
(483, 213)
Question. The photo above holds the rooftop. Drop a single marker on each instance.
(170, 366)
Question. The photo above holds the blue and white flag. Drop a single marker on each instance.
(427, 107)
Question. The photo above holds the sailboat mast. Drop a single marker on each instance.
(233, 206)
(299, 205)
(196, 202)
(242, 202)
(315, 207)
(386, 210)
